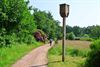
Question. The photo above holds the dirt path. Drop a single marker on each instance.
(36, 58)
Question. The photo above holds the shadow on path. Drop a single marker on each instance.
(45, 64)
(39, 65)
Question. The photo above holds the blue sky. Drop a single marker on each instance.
(82, 12)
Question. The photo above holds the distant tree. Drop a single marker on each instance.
(91, 31)
(45, 22)
(86, 36)
(76, 31)
(69, 29)
(70, 36)
(95, 32)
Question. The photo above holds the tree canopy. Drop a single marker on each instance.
(17, 24)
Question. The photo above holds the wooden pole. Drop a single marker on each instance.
(64, 38)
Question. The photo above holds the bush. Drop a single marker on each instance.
(70, 36)
(16, 23)
(77, 38)
(77, 52)
(93, 60)
(74, 52)
(86, 39)
(86, 36)
(6, 39)
(57, 50)
(30, 39)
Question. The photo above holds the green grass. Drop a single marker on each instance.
(69, 50)
(74, 57)
(56, 61)
(9, 55)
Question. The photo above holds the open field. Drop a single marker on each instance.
(75, 54)
(77, 43)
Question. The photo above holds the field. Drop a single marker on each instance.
(75, 54)
(76, 44)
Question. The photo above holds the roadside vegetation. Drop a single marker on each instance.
(93, 59)
(17, 28)
(74, 56)
(18, 25)
(9, 55)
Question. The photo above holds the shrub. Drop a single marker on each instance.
(57, 50)
(86, 39)
(76, 52)
(93, 60)
(30, 39)
(6, 39)
(70, 36)
(86, 36)
(77, 38)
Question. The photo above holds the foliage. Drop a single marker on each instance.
(76, 30)
(9, 55)
(95, 32)
(93, 60)
(7, 40)
(73, 57)
(69, 29)
(57, 50)
(70, 36)
(85, 32)
(18, 25)
(86, 39)
(77, 38)
(55, 61)
(45, 22)
(86, 36)
(16, 22)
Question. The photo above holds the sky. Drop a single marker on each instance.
(82, 13)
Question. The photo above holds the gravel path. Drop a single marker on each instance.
(36, 58)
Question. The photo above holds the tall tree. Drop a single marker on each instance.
(76, 31)
(15, 18)
(44, 21)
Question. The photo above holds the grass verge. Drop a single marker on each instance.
(56, 61)
(9, 55)
(74, 57)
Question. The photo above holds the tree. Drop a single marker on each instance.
(15, 18)
(86, 36)
(45, 22)
(70, 36)
(95, 32)
(69, 29)
(93, 60)
(76, 31)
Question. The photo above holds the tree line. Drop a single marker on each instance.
(17, 24)
(90, 31)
